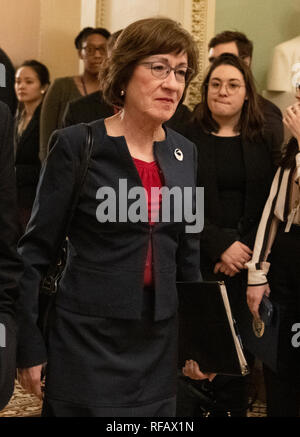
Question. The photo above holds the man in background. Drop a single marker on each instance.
(10, 264)
(7, 80)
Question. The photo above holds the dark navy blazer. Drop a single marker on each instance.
(106, 261)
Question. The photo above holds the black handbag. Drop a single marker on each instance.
(49, 284)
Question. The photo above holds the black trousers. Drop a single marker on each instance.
(283, 388)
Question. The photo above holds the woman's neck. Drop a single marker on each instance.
(90, 82)
(30, 107)
(140, 134)
(26, 115)
(227, 126)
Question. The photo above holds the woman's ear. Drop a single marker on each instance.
(44, 89)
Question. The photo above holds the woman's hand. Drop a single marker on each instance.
(30, 379)
(236, 256)
(223, 268)
(191, 369)
(292, 120)
(254, 297)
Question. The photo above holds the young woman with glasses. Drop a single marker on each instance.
(235, 168)
(91, 47)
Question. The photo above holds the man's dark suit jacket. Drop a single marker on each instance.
(27, 161)
(92, 107)
(10, 263)
(273, 126)
(7, 93)
(104, 276)
(259, 174)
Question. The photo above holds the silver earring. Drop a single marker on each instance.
(122, 93)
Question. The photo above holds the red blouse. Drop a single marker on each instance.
(151, 176)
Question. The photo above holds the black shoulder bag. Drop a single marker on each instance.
(49, 284)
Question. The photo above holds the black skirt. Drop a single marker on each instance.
(111, 367)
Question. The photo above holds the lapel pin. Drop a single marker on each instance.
(178, 154)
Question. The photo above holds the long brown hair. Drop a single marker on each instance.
(251, 121)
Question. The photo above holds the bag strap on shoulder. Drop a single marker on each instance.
(49, 283)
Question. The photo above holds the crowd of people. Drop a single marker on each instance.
(111, 347)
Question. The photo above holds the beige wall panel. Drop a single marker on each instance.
(45, 29)
(19, 30)
(116, 14)
(60, 23)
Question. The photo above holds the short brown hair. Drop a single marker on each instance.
(251, 121)
(139, 40)
(244, 45)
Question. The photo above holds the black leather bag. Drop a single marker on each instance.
(49, 284)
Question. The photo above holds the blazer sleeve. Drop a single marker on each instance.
(188, 253)
(10, 262)
(258, 266)
(41, 242)
(51, 112)
(214, 240)
(274, 156)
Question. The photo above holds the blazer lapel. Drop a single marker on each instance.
(168, 164)
(32, 125)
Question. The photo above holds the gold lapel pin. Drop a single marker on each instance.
(178, 154)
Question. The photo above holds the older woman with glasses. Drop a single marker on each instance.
(235, 168)
(90, 44)
(112, 339)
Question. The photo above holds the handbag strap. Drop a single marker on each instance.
(49, 282)
(86, 153)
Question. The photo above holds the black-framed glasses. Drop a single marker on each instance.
(91, 50)
(161, 70)
(232, 88)
(297, 86)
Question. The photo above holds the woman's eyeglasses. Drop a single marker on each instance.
(162, 71)
(231, 87)
(91, 50)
